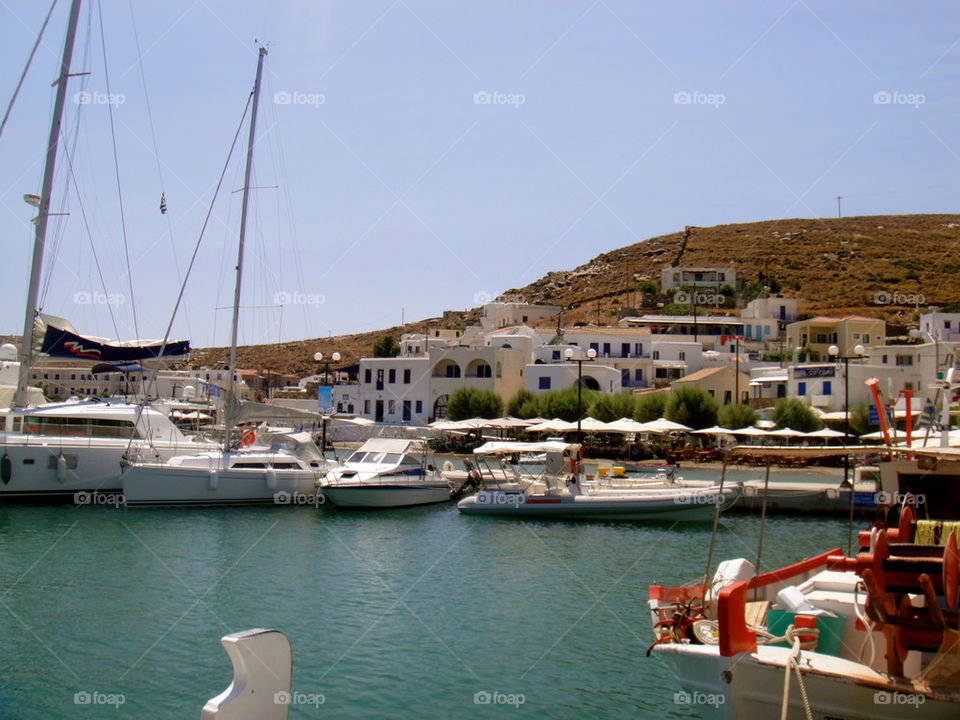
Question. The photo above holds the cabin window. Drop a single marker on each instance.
(285, 466)
(248, 465)
(79, 427)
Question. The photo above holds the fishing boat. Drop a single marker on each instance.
(562, 490)
(873, 635)
(387, 472)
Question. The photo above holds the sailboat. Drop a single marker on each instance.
(245, 475)
(62, 451)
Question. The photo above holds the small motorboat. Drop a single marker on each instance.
(563, 491)
(387, 472)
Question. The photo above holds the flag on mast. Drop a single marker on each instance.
(163, 203)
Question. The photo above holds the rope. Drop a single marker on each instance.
(867, 623)
(793, 636)
(23, 75)
(116, 167)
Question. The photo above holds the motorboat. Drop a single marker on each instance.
(387, 472)
(563, 491)
(874, 635)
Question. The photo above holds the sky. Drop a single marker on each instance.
(413, 157)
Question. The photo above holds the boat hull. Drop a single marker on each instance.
(750, 685)
(163, 485)
(384, 496)
(586, 507)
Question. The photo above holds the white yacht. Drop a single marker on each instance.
(58, 449)
(386, 472)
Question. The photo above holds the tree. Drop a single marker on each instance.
(736, 416)
(691, 406)
(469, 402)
(386, 347)
(649, 407)
(522, 399)
(860, 420)
(794, 413)
(563, 404)
(607, 408)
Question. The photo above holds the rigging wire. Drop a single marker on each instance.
(196, 249)
(23, 75)
(156, 152)
(116, 166)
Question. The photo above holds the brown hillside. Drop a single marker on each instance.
(836, 266)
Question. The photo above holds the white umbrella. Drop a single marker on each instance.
(626, 425)
(508, 422)
(590, 424)
(715, 430)
(663, 425)
(555, 425)
(750, 432)
(825, 433)
(785, 432)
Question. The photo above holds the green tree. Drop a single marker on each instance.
(469, 402)
(736, 416)
(386, 347)
(794, 413)
(860, 420)
(691, 406)
(607, 408)
(649, 407)
(518, 401)
(563, 404)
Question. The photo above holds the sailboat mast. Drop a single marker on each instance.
(40, 234)
(229, 399)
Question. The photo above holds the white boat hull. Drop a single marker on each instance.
(171, 485)
(383, 496)
(652, 505)
(750, 685)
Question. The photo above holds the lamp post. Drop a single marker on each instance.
(568, 354)
(318, 356)
(834, 352)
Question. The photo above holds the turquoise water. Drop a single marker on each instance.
(397, 613)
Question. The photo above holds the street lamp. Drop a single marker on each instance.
(568, 354)
(318, 356)
(834, 352)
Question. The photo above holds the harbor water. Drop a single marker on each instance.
(420, 613)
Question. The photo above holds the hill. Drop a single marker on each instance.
(884, 266)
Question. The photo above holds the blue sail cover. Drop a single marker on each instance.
(62, 343)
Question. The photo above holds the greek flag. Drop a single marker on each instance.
(163, 203)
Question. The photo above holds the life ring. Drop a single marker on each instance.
(247, 438)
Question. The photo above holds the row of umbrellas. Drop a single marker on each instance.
(622, 426)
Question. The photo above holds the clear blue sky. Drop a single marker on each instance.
(403, 189)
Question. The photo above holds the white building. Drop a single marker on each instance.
(697, 277)
(936, 325)
(507, 314)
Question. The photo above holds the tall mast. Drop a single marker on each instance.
(40, 234)
(229, 399)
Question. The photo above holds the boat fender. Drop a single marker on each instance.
(6, 468)
(61, 468)
(272, 479)
(213, 480)
(448, 466)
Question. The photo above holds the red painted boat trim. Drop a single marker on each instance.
(543, 501)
